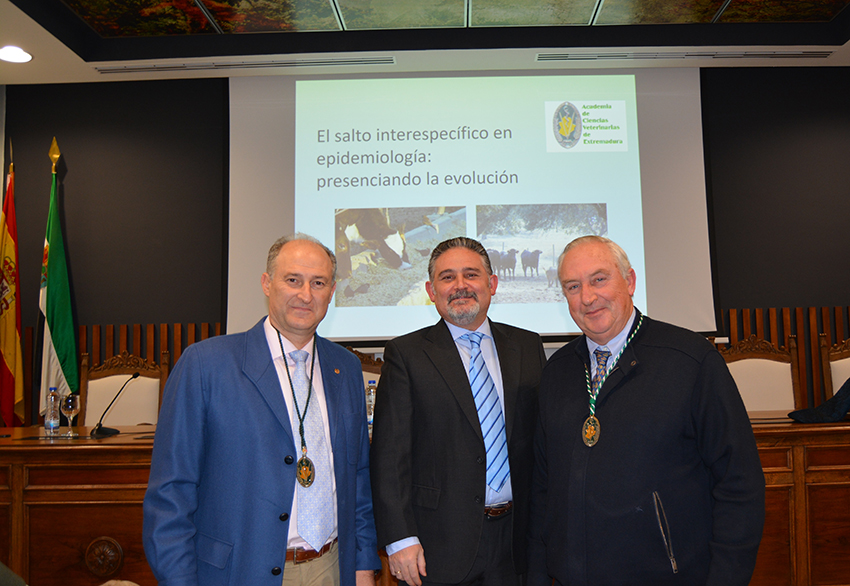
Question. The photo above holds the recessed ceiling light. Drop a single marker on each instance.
(14, 54)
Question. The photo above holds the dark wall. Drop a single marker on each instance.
(777, 144)
(143, 196)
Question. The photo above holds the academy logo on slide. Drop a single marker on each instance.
(566, 125)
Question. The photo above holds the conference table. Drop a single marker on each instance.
(71, 509)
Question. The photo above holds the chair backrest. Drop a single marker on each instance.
(138, 404)
(370, 365)
(835, 363)
(767, 377)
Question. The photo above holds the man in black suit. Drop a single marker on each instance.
(444, 490)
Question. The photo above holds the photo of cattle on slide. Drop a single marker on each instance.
(523, 241)
(382, 253)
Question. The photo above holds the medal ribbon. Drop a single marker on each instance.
(298, 413)
(599, 380)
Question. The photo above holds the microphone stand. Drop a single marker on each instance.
(99, 431)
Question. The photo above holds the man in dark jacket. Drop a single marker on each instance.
(646, 469)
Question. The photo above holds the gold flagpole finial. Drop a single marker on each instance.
(54, 153)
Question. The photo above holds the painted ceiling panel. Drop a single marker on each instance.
(148, 18)
(531, 12)
(782, 10)
(623, 12)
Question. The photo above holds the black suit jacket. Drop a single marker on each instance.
(428, 459)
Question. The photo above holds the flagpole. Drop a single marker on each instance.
(59, 366)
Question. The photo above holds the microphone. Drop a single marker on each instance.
(99, 431)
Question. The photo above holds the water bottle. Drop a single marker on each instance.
(51, 414)
(371, 387)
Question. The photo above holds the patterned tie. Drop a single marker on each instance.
(602, 354)
(489, 414)
(315, 502)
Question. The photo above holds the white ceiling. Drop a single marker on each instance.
(53, 62)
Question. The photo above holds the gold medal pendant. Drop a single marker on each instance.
(306, 472)
(590, 431)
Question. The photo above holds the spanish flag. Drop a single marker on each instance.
(59, 354)
(11, 367)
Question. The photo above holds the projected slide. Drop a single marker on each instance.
(388, 168)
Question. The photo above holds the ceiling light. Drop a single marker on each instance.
(14, 54)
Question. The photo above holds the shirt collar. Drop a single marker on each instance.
(457, 331)
(274, 345)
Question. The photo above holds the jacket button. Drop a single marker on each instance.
(479, 500)
(276, 571)
(284, 517)
(289, 459)
(480, 460)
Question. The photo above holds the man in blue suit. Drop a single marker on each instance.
(260, 471)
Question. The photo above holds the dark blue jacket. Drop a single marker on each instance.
(216, 512)
(673, 492)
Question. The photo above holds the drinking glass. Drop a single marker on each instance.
(70, 407)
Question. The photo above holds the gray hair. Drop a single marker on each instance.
(620, 256)
(274, 251)
(459, 242)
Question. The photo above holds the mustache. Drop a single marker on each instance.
(463, 294)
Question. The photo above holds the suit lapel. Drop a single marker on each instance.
(260, 370)
(442, 351)
(331, 381)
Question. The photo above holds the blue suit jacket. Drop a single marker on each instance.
(217, 507)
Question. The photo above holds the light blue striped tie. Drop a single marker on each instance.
(315, 502)
(489, 414)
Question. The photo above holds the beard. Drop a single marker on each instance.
(467, 314)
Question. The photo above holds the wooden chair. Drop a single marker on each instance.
(835, 364)
(768, 377)
(138, 404)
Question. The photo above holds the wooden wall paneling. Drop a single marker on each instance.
(178, 342)
(122, 339)
(801, 346)
(774, 329)
(786, 324)
(109, 338)
(82, 339)
(163, 341)
(149, 338)
(733, 327)
(137, 343)
(814, 355)
(827, 324)
(95, 344)
(760, 324)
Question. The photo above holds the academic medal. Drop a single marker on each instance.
(590, 431)
(306, 472)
